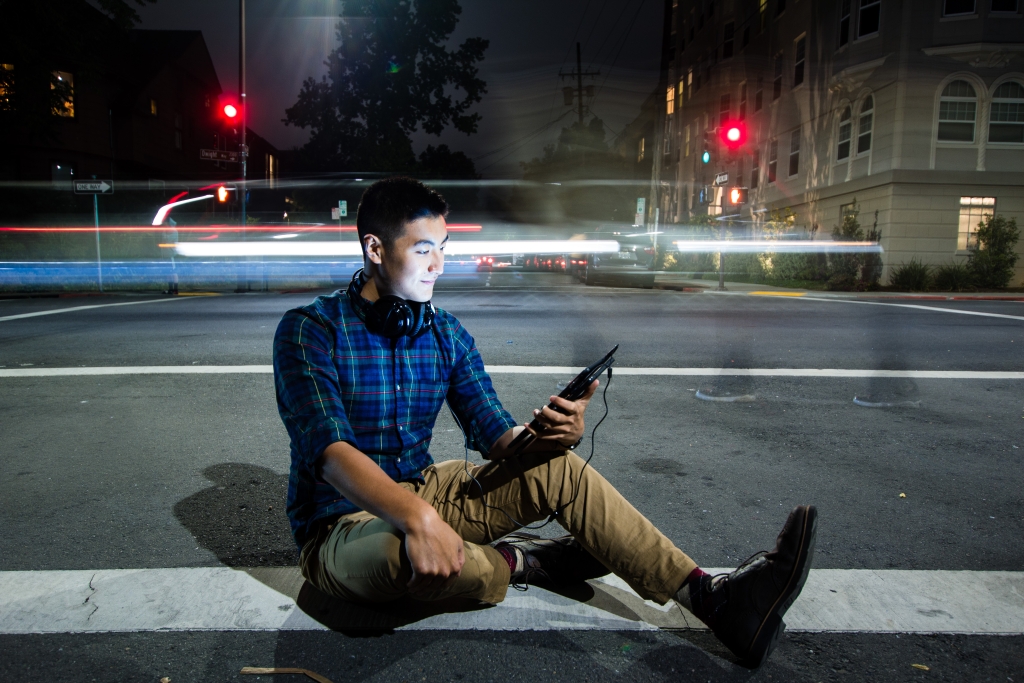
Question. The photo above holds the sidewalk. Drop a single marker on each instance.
(677, 281)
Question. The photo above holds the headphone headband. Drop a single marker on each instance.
(390, 316)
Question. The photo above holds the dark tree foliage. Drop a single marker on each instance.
(391, 76)
(37, 39)
(994, 254)
(589, 172)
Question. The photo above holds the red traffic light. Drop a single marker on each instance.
(230, 111)
(733, 134)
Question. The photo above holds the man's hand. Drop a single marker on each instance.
(434, 549)
(435, 553)
(565, 427)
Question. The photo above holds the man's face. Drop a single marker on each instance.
(411, 265)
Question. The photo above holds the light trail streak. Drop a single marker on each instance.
(455, 248)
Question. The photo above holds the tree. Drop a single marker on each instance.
(38, 39)
(391, 75)
(993, 255)
(580, 155)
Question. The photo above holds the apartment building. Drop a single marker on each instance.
(911, 113)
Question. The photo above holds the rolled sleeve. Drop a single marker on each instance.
(472, 397)
(306, 380)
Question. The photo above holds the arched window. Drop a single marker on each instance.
(958, 109)
(867, 108)
(845, 133)
(1007, 121)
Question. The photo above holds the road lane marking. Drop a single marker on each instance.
(73, 309)
(532, 370)
(263, 599)
(916, 306)
(793, 294)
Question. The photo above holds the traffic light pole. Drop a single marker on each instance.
(243, 151)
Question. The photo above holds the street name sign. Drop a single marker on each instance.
(94, 186)
(343, 207)
(218, 155)
(721, 178)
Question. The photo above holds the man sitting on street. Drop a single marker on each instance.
(361, 376)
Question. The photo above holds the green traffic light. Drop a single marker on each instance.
(706, 157)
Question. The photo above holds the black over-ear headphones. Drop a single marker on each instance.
(390, 316)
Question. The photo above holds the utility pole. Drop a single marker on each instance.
(243, 151)
(578, 74)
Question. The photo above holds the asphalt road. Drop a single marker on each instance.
(148, 471)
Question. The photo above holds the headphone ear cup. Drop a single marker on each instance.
(391, 317)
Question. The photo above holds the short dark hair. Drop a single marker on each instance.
(389, 204)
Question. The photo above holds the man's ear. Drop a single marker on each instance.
(374, 249)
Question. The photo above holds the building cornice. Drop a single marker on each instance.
(987, 55)
(852, 78)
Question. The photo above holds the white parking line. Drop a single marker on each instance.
(224, 599)
(73, 309)
(933, 309)
(532, 370)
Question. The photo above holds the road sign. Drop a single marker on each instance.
(343, 207)
(721, 178)
(335, 213)
(94, 186)
(218, 155)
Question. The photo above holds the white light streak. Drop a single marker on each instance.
(776, 246)
(454, 248)
(161, 215)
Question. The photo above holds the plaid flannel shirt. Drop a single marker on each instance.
(337, 381)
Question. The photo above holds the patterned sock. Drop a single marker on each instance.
(696, 595)
(510, 555)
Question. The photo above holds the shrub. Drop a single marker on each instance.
(993, 255)
(953, 277)
(911, 277)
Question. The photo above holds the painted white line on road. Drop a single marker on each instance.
(224, 599)
(932, 309)
(73, 309)
(531, 370)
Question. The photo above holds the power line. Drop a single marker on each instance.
(523, 140)
(611, 30)
(624, 40)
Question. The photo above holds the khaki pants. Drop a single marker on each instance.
(361, 557)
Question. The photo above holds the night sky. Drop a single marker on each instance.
(531, 40)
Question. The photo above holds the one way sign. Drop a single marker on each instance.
(94, 186)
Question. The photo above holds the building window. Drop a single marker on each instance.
(951, 8)
(640, 150)
(272, 170)
(670, 100)
(773, 159)
(6, 87)
(1004, 6)
(780, 7)
(958, 108)
(794, 152)
(1007, 121)
(777, 82)
(746, 37)
(743, 102)
(864, 124)
(727, 41)
(667, 139)
(152, 107)
(686, 140)
(973, 210)
(679, 94)
(869, 17)
(845, 133)
(762, 11)
(847, 210)
(65, 82)
(844, 22)
(759, 94)
(724, 105)
(798, 68)
(755, 169)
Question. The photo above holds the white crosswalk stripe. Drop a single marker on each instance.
(264, 599)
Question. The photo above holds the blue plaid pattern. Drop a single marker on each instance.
(337, 381)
